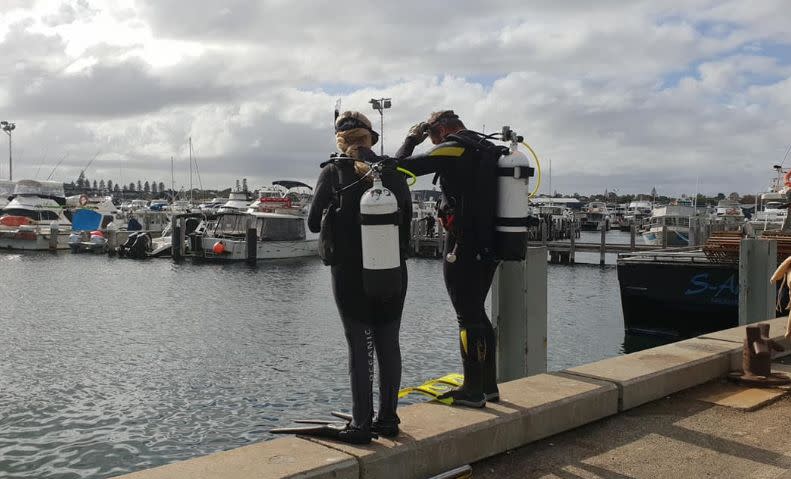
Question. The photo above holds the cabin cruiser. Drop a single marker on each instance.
(670, 219)
(596, 216)
(278, 236)
(637, 214)
(284, 197)
(238, 201)
(34, 219)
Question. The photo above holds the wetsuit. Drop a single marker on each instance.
(370, 325)
(469, 278)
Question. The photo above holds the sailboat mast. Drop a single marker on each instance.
(172, 179)
(190, 170)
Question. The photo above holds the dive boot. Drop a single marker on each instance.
(463, 397)
(386, 427)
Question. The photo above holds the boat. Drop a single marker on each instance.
(672, 220)
(772, 210)
(238, 201)
(677, 293)
(728, 216)
(637, 215)
(284, 197)
(34, 217)
(91, 223)
(279, 236)
(6, 190)
(595, 217)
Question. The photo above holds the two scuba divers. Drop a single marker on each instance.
(470, 264)
(371, 320)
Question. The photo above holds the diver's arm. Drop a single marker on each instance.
(321, 198)
(407, 147)
(426, 163)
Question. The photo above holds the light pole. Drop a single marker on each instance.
(8, 127)
(380, 104)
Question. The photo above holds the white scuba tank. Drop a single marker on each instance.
(380, 245)
(512, 205)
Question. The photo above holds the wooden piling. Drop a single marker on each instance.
(664, 236)
(632, 235)
(176, 248)
(54, 232)
(573, 239)
(603, 243)
(252, 242)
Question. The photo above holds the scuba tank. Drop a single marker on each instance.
(379, 220)
(513, 201)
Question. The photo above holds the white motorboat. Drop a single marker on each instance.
(773, 208)
(284, 197)
(279, 236)
(34, 219)
(238, 201)
(672, 220)
(728, 216)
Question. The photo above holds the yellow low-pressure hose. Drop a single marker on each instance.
(408, 173)
(538, 170)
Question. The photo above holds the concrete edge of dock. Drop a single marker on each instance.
(436, 438)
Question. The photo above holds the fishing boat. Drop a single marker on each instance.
(772, 210)
(34, 217)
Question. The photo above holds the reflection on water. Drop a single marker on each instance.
(110, 365)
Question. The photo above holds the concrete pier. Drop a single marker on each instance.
(436, 438)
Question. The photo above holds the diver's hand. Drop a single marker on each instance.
(418, 132)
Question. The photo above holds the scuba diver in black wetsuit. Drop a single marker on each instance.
(370, 325)
(470, 265)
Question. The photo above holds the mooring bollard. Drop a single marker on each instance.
(519, 311)
(757, 262)
(252, 242)
(603, 243)
(54, 231)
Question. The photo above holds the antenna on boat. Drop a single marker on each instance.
(190, 141)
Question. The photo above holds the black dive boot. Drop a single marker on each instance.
(490, 376)
(470, 393)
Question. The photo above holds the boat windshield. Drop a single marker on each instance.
(42, 215)
(281, 229)
(232, 225)
(51, 189)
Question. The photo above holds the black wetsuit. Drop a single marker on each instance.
(469, 278)
(370, 325)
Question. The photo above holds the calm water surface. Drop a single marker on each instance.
(109, 365)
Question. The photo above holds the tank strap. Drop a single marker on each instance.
(518, 172)
(388, 219)
(523, 221)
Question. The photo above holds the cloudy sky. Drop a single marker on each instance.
(619, 95)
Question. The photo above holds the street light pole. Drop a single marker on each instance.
(380, 104)
(8, 127)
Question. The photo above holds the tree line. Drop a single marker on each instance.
(84, 184)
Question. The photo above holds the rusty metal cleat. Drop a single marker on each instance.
(757, 359)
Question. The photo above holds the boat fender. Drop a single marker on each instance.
(379, 220)
(218, 248)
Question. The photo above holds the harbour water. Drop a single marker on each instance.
(110, 365)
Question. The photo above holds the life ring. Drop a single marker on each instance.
(787, 179)
(83, 200)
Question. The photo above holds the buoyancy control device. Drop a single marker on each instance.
(497, 203)
(379, 221)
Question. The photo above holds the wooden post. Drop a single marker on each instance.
(757, 262)
(603, 244)
(252, 241)
(664, 236)
(176, 245)
(632, 235)
(543, 232)
(573, 239)
(54, 231)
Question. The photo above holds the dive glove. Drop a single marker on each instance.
(418, 132)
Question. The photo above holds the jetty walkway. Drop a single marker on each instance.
(641, 415)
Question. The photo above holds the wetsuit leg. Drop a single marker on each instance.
(355, 310)
(468, 281)
(387, 325)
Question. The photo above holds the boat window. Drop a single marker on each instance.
(683, 221)
(670, 221)
(43, 215)
(232, 225)
(281, 229)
